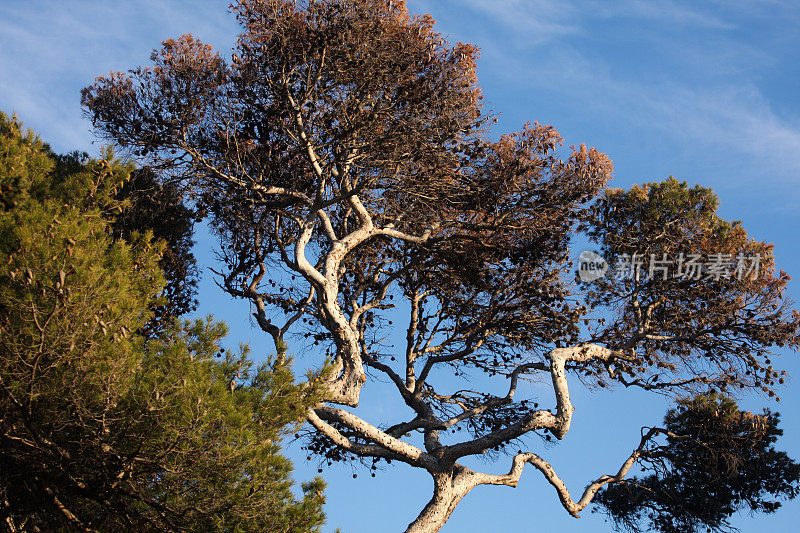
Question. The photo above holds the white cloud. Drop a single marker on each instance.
(551, 19)
(50, 49)
(664, 11)
(540, 20)
(704, 97)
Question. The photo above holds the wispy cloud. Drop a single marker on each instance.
(541, 20)
(700, 92)
(740, 119)
(664, 12)
(549, 19)
(53, 50)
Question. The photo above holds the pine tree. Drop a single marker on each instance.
(102, 428)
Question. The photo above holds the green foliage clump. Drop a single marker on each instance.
(24, 162)
(717, 460)
(104, 428)
(157, 206)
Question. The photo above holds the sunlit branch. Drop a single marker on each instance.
(512, 478)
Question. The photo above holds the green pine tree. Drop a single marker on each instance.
(103, 428)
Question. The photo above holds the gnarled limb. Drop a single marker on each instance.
(512, 478)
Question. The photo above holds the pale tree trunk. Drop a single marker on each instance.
(448, 489)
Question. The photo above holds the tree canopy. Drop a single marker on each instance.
(715, 460)
(343, 156)
(103, 428)
(147, 203)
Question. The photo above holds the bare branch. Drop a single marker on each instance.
(512, 478)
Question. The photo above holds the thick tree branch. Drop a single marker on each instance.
(390, 446)
(512, 478)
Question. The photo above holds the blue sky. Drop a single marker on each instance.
(705, 91)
